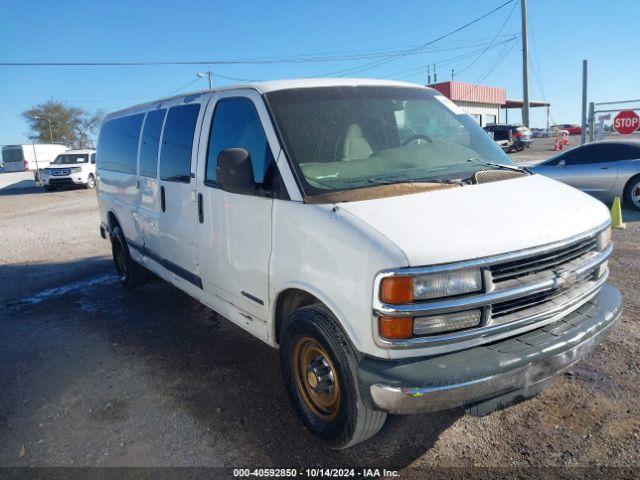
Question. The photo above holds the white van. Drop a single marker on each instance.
(71, 168)
(29, 157)
(371, 231)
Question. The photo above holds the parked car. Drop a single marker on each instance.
(395, 274)
(539, 133)
(572, 128)
(72, 168)
(518, 137)
(22, 158)
(604, 169)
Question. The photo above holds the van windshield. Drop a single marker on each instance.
(345, 138)
(71, 158)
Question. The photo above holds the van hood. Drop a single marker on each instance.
(476, 221)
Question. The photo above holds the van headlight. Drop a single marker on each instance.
(604, 238)
(406, 289)
(76, 169)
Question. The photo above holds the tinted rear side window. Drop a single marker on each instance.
(12, 155)
(236, 125)
(177, 142)
(118, 144)
(150, 145)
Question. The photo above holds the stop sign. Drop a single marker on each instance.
(626, 122)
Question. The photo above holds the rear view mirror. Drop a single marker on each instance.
(235, 171)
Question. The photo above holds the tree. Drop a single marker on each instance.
(54, 122)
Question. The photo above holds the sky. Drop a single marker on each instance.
(561, 34)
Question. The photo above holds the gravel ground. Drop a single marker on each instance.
(94, 375)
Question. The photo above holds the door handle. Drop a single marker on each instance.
(163, 206)
(604, 168)
(200, 209)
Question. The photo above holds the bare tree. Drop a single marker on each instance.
(54, 122)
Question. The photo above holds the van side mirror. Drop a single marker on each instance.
(562, 163)
(235, 171)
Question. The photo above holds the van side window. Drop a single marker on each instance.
(118, 144)
(93, 158)
(236, 125)
(177, 143)
(151, 143)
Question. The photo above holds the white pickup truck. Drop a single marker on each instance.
(371, 231)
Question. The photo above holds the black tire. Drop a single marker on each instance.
(632, 186)
(91, 182)
(352, 421)
(131, 273)
(49, 188)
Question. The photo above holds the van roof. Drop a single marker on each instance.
(271, 86)
(22, 145)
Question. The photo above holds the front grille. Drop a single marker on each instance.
(60, 181)
(545, 261)
(510, 307)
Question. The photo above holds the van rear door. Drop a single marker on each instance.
(178, 214)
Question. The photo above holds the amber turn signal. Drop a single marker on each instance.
(395, 328)
(396, 290)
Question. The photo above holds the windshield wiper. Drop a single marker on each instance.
(380, 181)
(499, 166)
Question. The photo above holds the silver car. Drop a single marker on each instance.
(605, 169)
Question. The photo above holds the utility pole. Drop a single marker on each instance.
(525, 66)
(583, 135)
(452, 74)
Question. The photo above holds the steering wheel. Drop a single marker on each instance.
(418, 139)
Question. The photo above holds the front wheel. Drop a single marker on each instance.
(91, 182)
(319, 368)
(632, 193)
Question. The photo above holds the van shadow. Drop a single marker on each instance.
(226, 379)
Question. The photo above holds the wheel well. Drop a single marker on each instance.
(628, 185)
(288, 301)
(113, 221)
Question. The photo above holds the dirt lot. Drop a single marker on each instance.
(94, 375)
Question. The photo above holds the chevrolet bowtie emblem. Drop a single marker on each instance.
(565, 278)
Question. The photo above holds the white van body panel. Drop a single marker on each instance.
(482, 220)
(326, 251)
(37, 156)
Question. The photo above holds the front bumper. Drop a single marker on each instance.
(60, 181)
(516, 365)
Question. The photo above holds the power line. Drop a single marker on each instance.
(416, 49)
(447, 61)
(309, 58)
(515, 4)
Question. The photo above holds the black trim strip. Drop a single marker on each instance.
(177, 269)
(251, 297)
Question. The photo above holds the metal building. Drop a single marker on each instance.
(480, 101)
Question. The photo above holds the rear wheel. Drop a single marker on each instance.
(632, 193)
(319, 367)
(131, 273)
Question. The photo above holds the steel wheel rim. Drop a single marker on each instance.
(316, 378)
(91, 181)
(635, 194)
